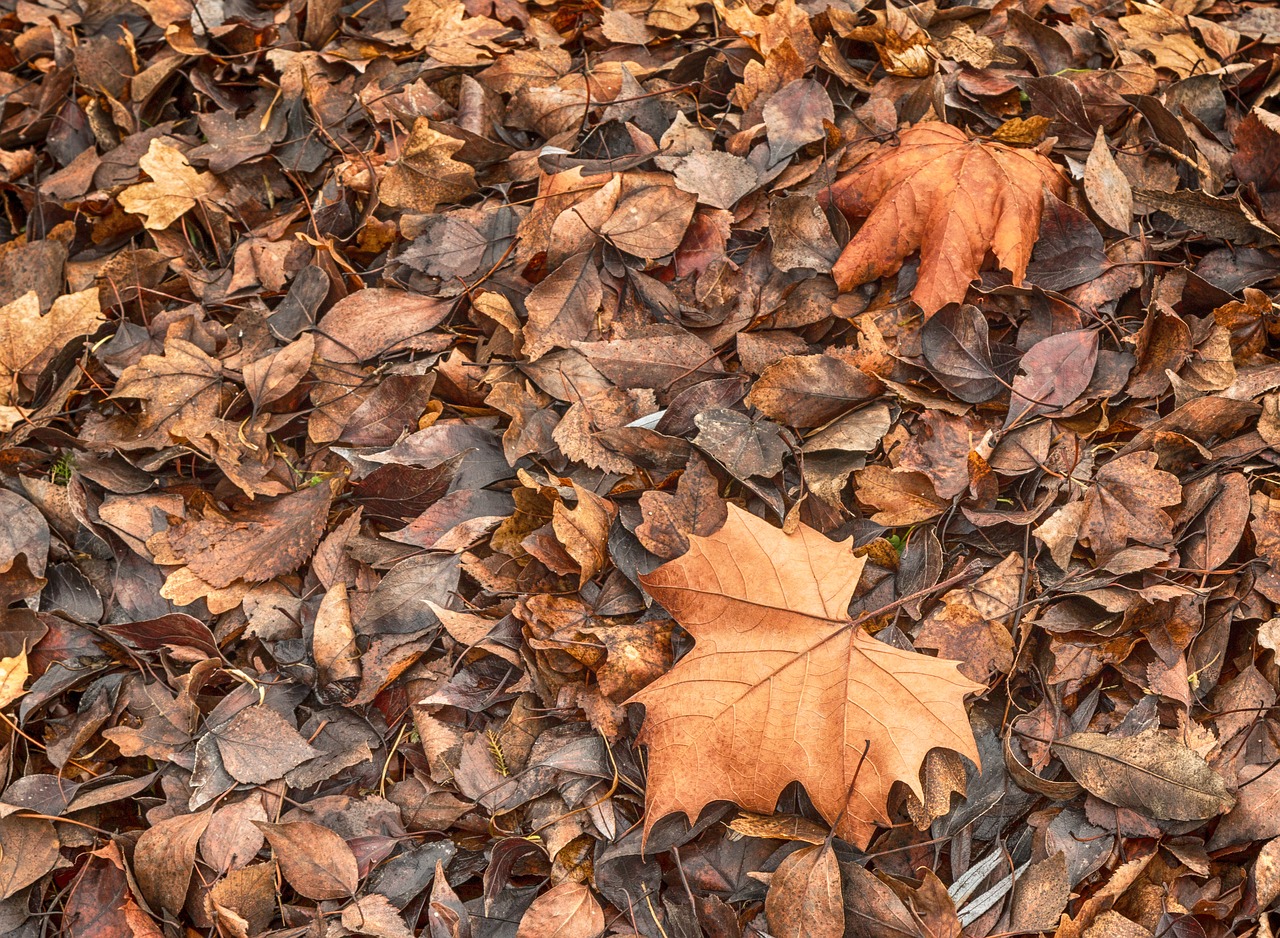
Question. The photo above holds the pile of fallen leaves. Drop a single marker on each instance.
(479, 468)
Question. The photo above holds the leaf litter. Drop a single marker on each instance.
(490, 468)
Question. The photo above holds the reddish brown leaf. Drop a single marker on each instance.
(950, 197)
(164, 858)
(257, 544)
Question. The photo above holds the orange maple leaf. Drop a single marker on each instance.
(782, 686)
(953, 199)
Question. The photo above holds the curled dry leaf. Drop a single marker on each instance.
(769, 614)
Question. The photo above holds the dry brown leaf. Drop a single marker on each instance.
(259, 746)
(442, 29)
(1106, 187)
(568, 910)
(584, 530)
(315, 861)
(564, 307)
(426, 173)
(256, 544)
(13, 675)
(1127, 503)
(181, 392)
(1151, 772)
(29, 340)
(902, 498)
(650, 222)
(810, 390)
(781, 687)
(333, 640)
(952, 198)
(174, 190)
(804, 899)
(165, 857)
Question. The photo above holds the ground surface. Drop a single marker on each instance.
(390, 393)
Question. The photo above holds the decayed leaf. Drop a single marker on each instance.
(950, 197)
(333, 640)
(781, 687)
(568, 910)
(872, 909)
(378, 321)
(316, 861)
(174, 190)
(1151, 772)
(669, 518)
(956, 344)
(746, 446)
(1040, 895)
(804, 899)
(273, 376)
(442, 29)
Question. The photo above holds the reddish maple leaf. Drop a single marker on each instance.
(952, 198)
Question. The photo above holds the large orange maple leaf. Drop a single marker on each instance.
(782, 686)
(950, 197)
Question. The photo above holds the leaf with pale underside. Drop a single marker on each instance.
(782, 687)
(953, 199)
(175, 188)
